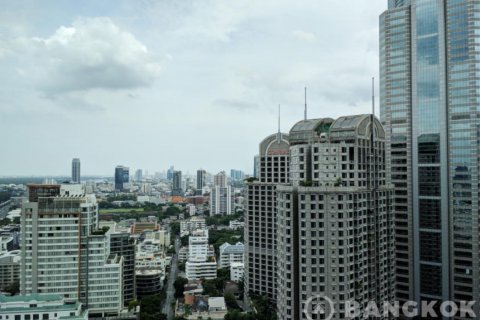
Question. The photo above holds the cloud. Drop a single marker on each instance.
(93, 53)
(304, 36)
(235, 104)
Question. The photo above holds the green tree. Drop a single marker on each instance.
(175, 228)
(230, 301)
(179, 285)
(13, 288)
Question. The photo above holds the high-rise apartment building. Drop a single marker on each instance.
(222, 201)
(429, 106)
(76, 170)
(177, 189)
(64, 252)
(122, 244)
(335, 217)
(122, 177)
(261, 216)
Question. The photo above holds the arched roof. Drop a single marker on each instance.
(273, 145)
(358, 125)
(306, 131)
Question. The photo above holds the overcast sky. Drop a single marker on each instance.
(193, 83)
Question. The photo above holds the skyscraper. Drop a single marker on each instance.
(177, 183)
(121, 177)
(429, 106)
(201, 179)
(335, 217)
(260, 231)
(76, 170)
(220, 179)
(170, 173)
(64, 252)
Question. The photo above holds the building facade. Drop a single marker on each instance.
(335, 217)
(429, 107)
(260, 229)
(9, 269)
(201, 176)
(64, 252)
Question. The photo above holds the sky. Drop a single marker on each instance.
(191, 83)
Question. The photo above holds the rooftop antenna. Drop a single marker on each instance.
(279, 134)
(305, 116)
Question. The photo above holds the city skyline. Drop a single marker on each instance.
(253, 57)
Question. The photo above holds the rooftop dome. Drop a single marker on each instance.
(306, 131)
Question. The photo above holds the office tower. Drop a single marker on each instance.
(121, 177)
(76, 170)
(201, 179)
(334, 218)
(170, 173)
(429, 107)
(64, 252)
(261, 216)
(222, 199)
(177, 184)
(138, 175)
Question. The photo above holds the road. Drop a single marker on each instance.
(167, 306)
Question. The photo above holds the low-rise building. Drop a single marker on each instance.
(9, 268)
(235, 224)
(236, 271)
(41, 306)
(230, 253)
(188, 226)
(202, 307)
(183, 254)
(199, 268)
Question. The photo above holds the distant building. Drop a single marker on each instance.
(237, 175)
(177, 184)
(201, 176)
(76, 170)
(121, 177)
(230, 253)
(220, 179)
(138, 175)
(41, 306)
(256, 164)
(222, 200)
(170, 173)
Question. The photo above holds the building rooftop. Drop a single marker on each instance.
(31, 297)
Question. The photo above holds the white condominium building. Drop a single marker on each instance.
(198, 268)
(65, 253)
(230, 253)
(190, 225)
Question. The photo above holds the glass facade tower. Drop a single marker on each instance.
(430, 103)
